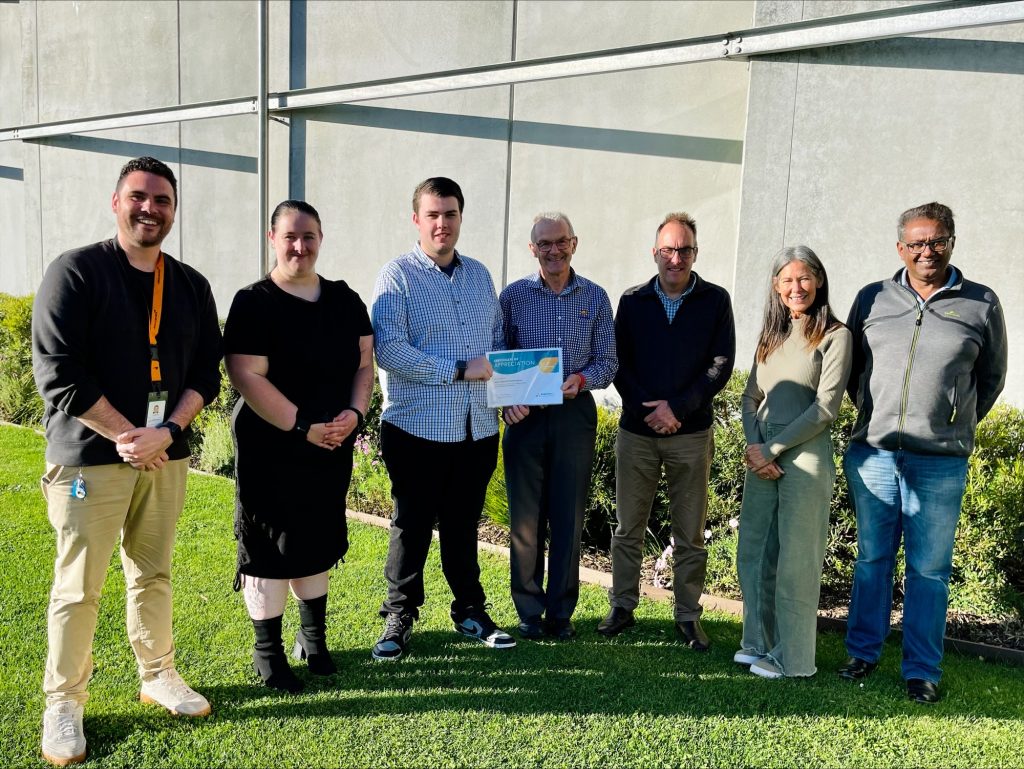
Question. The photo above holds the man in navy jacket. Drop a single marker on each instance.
(676, 344)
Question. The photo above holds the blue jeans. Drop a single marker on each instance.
(916, 497)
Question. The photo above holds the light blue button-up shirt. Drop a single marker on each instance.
(579, 320)
(423, 322)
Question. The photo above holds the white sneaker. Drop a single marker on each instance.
(766, 669)
(745, 657)
(63, 734)
(168, 690)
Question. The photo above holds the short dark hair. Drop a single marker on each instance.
(934, 211)
(150, 166)
(441, 186)
(294, 205)
(679, 217)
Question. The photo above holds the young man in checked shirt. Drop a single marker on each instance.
(549, 451)
(435, 314)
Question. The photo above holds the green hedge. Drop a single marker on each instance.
(988, 561)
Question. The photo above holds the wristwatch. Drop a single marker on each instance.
(173, 428)
(460, 370)
(301, 426)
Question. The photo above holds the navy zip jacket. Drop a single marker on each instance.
(685, 363)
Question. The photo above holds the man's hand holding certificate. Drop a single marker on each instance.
(525, 377)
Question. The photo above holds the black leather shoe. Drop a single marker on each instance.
(618, 619)
(531, 628)
(692, 634)
(855, 669)
(922, 691)
(562, 629)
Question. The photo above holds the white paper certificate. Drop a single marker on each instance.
(525, 377)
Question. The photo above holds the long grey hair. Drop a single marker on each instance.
(776, 326)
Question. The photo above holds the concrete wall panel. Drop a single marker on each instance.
(363, 162)
(15, 274)
(617, 152)
(77, 176)
(105, 56)
(841, 140)
(349, 42)
(210, 69)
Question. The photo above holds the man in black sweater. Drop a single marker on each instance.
(126, 347)
(677, 344)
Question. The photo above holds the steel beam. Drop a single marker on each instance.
(728, 46)
(224, 108)
(814, 33)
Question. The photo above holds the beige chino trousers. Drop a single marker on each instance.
(142, 508)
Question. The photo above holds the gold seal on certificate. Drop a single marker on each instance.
(525, 377)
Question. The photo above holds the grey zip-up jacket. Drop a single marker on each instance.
(923, 377)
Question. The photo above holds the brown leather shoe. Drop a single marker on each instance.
(618, 619)
(692, 634)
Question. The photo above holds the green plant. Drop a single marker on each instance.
(19, 400)
(217, 452)
(496, 498)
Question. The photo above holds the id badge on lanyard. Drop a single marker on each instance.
(156, 403)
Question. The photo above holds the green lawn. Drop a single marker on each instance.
(640, 700)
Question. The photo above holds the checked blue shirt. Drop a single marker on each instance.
(579, 320)
(423, 322)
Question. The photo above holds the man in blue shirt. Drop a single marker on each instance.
(549, 451)
(435, 314)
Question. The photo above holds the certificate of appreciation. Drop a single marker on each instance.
(525, 377)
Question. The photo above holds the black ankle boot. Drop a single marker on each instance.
(311, 641)
(268, 658)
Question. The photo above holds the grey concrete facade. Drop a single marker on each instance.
(823, 147)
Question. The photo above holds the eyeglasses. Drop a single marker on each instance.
(939, 245)
(561, 244)
(685, 252)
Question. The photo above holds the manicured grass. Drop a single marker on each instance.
(640, 700)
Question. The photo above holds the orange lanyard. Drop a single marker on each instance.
(154, 319)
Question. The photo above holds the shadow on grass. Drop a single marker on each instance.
(644, 671)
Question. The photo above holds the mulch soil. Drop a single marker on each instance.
(1005, 632)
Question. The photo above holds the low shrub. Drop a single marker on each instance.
(988, 560)
(19, 400)
(217, 448)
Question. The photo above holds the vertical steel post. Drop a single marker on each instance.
(263, 116)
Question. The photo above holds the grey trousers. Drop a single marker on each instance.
(548, 458)
(783, 533)
(639, 460)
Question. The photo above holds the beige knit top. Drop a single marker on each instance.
(799, 387)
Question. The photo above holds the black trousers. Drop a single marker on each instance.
(548, 460)
(433, 481)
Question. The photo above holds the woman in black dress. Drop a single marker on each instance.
(299, 349)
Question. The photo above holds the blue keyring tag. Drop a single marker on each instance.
(78, 490)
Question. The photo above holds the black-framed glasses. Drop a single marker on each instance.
(686, 252)
(561, 244)
(939, 245)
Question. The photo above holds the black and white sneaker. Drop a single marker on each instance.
(395, 639)
(477, 624)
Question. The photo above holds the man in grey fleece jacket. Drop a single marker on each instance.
(929, 361)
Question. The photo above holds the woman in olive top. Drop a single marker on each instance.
(792, 397)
